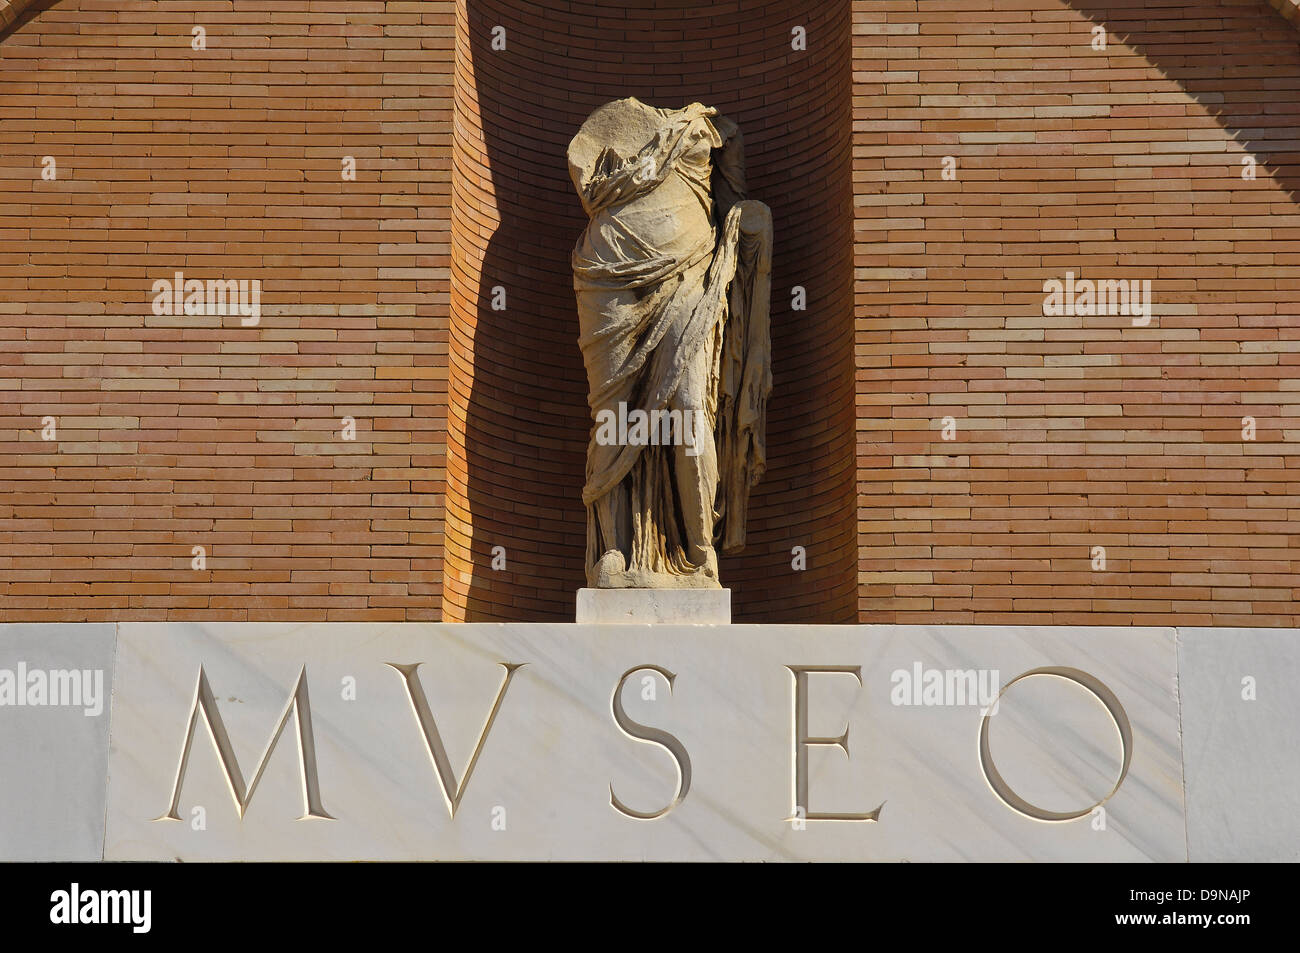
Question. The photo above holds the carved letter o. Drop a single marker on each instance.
(1113, 708)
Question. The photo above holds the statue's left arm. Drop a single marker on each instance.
(746, 376)
(728, 167)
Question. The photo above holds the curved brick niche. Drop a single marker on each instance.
(518, 415)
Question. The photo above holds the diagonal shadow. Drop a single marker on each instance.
(1239, 61)
(14, 14)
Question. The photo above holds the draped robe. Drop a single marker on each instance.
(670, 287)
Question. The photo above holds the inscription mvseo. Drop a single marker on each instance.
(453, 788)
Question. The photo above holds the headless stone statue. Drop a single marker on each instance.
(673, 281)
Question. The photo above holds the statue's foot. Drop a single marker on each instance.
(609, 571)
(710, 567)
(706, 572)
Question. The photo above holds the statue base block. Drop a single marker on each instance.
(654, 606)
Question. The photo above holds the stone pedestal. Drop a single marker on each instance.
(659, 606)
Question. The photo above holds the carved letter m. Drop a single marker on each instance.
(206, 703)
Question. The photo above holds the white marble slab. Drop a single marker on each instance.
(654, 607)
(55, 683)
(1241, 755)
(554, 749)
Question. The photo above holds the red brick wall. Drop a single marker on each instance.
(1288, 8)
(1077, 432)
(182, 432)
(1071, 432)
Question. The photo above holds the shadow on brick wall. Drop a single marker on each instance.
(1240, 61)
